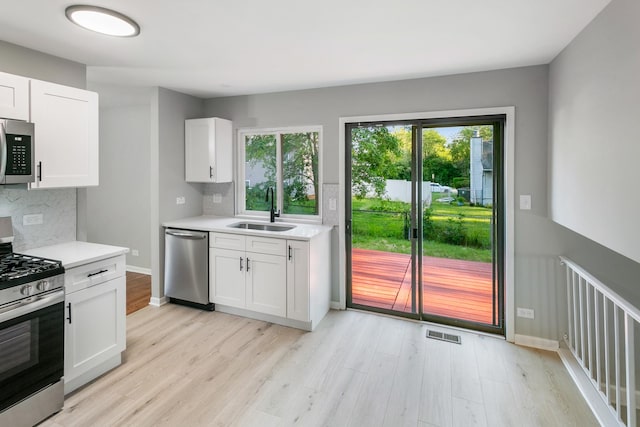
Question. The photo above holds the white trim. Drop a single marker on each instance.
(600, 410)
(536, 342)
(141, 270)
(240, 170)
(158, 302)
(509, 185)
(307, 326)
(335, 305)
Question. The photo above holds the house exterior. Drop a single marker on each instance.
(481, 171)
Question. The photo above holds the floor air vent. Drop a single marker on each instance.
(456, 339)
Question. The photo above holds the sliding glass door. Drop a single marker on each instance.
(425, 220)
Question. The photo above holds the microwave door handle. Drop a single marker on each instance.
(3, 152)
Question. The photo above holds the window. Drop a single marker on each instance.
(288, 160)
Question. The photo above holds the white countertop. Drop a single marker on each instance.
(73, 254)
(220, 224)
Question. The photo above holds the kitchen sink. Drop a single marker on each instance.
(261, 226)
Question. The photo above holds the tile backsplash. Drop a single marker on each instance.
(58, 209)
(223, 207)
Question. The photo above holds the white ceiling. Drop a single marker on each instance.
(212, 48)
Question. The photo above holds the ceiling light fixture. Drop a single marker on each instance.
(103, 21)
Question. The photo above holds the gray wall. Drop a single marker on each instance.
(594, 145)
(57, 206)
(169, 111)
(118, 210)
(537, 239)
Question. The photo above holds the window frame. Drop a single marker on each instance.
(240, 192)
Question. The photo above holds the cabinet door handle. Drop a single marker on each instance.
(290, 256)
(97, 272)
(210, 171)
(39, 171)
(247, 264)
(69, 308)
(241, 264)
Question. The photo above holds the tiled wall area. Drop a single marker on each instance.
(58, 209)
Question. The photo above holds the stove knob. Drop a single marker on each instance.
(26, 290)
(43, 285)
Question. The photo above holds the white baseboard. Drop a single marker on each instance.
(157, 302)
(535, 342)
(141, 270)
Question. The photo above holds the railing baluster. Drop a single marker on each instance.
(607, 369)
(582, 340)
(569, 311)
(575, 313)
(596, 308)
(630, 361)
(616, 332)
(588, 311)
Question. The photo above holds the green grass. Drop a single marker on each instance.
(380, 224)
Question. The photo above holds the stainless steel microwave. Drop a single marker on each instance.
(17, 159)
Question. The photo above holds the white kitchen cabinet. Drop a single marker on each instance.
(248, 272)
(298, 280)
(275, 279)
(226, 278)
(208, 150)
(95, 320)
(266, 284)
(14, 97)
(66, 123)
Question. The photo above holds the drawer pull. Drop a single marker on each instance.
(95, 274)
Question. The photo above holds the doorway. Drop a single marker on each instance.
(424, 215)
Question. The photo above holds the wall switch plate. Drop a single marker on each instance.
(180, 200)
(217, 198)
(135, 252)
(333, 204)
(527, 313)
(34, 219)
(525, 202)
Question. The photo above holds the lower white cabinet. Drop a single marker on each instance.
(288, 279)
(95, 320)
(248, 279)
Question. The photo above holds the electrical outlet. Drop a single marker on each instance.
(332, 204)
(135, 252)
(217, 198)
(180, 200)
(527, 313)
(525, 202)
(34, 219)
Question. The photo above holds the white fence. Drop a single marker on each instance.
(601, 338)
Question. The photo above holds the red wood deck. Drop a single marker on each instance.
(452, 288)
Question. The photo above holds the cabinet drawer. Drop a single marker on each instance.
(227, 241)
(95, 273)
(266, 245)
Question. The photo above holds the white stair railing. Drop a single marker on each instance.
(601, 338)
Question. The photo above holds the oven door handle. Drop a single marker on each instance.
(22, 307)
(3, 152)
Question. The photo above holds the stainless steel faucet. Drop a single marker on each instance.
(272, 213)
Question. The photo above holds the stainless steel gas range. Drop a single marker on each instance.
(31, 335)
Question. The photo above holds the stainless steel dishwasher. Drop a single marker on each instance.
(186, 267)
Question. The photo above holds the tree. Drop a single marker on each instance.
(373, 150)
(300, 167)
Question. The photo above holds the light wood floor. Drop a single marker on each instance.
(187, 367)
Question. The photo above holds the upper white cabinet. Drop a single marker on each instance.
(14, 97)
(66, 147)
(208, 150)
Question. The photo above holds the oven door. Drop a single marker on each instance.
(31, 347)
